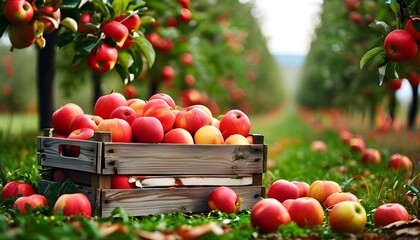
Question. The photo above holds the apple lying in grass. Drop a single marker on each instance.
(303, 188)
(357, 144)
(234, 121)
(371, 156)
(339, 197)
(347, 217)
(73, 204)
(34, 201)
(307, 212)
(389, 213)
(224, 199)
(282, 189)
(119, 128)
(108, 103)
(147, 130)
(400, 162)
(318, 146)
(62, 117)
(268, 214)
(15, 188)
(178, 135)
(321, 189)
(208, 134)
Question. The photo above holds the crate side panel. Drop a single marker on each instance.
(51, 154)
(161, 159)
(144, 201)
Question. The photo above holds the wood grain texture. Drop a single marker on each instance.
(141, 202)
(50, 154)
(146, 159)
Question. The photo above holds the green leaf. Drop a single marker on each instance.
(70, 4)
(3, 25)
(102, 7)
(121, 213)
(147, 20)
(147, 49)
(125, 59)
(395, 7)
(120, 6)
(70, 23)
(369, 55)
(381, 27)
(387, 72)
(65, 38)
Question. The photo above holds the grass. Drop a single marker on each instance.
(290, 157)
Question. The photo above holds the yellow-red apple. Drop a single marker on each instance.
(208, 134)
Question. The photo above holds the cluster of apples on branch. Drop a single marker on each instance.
(155, 120)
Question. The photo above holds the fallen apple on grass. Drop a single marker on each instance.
(400, 162)
(224, 199)
(389, 213)
(339, 197)
(321, 189)
(282, 190)
(268, 214)
(15, 188)
(306, 212)
(73, 204)
(34, 201)
(347, 217)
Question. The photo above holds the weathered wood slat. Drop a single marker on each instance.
(141, 202)
(144, 159)
(57, 152)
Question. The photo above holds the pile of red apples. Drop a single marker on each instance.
(154, 120)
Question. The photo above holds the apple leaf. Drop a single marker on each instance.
(387, 72)
(120, 6)
(147, 19)
(147, 49)
(65, 38)
(103, 8)
(70, 4)
(381, 27)
(394, 6)
(369, 55)
(70, 23)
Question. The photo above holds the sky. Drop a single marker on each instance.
(288, 25)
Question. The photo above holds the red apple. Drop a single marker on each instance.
(147, 130)
(82, 121)
(178, 135)
(224, 199)
(82, 134)
(22, 36)
(287, 203)
(409, 27)
(168, 72)
(62, 117)
(400, 162)
(282, 189)
(185, 3)
(124, 112)
(161, 110)
(131, 21)
(321, 189)
(138, 105)
(102, 59)
(307, 212)
(73, 204)
(389, 213)
(185, 15)
(236, 139)
(50, 17)
(347, 217)
(357, 144)
(116, 31)
(82, 21)
(413, 78)
(371, 156)
(394, 84)
(339, 197)
(355, 17)
(400, 45)
(268, 214)
(34, 201)
(18, 12)
(345, 136)
(318, 146)
(303, 188)
(121, 182)
(205, 109)
(187, 59)
(235, 121)
(106, 104)
(191, 119)
(167, 98)
(15, 188)
(352, 4)
(208, 134)
(119, 128)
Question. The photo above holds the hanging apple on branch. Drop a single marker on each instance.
(105, 34)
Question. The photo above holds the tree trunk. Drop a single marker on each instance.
(45, 80)
(412, 114)
(97, 90)
(392, 105)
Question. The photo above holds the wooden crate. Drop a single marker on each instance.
(205, 167)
